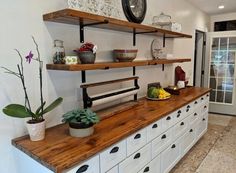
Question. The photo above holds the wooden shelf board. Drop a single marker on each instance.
(75, 17)
(108, 65)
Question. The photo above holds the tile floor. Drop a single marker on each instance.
(215, 152)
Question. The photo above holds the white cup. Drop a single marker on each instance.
(181, 84)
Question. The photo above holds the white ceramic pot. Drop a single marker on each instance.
(36, 130)
(81, 132)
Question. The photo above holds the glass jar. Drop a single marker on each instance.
(59, 52)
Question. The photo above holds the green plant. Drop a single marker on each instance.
(24, 111)
(84, 116)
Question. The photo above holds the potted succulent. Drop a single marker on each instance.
(81, 122)
(87, 53)
(35, 125)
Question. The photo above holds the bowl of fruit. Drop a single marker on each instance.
(157, 93)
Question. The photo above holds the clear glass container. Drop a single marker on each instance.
(161, 20)
(59, 52)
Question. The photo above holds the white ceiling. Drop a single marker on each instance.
(211, 6)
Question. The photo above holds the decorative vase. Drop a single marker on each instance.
(87, 57)
(36, 130)
(79, 130)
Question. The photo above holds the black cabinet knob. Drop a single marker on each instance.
(114, 150)
(195, 114)
(195, 102)
(188, 106)
(179, 112)
(154, 126)
(182, 123)
(203, 119)
(137, 156)
(146, 169)
(207, 95)
(205, 107)
(137, 136)
(82, 169)
(191, 130)
(168, 118)
(187, 110)
(173, 146)
(178, 115)
(163, 137)
(202, 98)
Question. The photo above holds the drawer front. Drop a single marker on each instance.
(136, 161)
(187, 141)
(89, 166)
(196, 103)
(189, 108)
(153, 167)
(205, 107)
(194, 117)
(136, 141)
(180, 114)
(180, 128)
(154, 130)
(112, 156)
(202, 125)
(170, 157)
(161, 142)
(168, 121)
(113, 170)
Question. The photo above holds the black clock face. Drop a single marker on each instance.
(134, 10)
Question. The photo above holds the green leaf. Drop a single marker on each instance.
(53, 105)
(40, 108)
(18, 111)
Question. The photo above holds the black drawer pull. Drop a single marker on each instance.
(137, 156)
(179, 112)
(154, 126)
(203, 119)
(195, 114)
(114, 150)
(191, 130)
(137, 136)
(178, 115)
(188, 106)
(182, 123)
(168, 118)
(82, 169)
(205, 107)
(187, 110)
(195, 102)
(202, 98)
(146, 169)
(163, 137)
(207, 95)
(173, 146)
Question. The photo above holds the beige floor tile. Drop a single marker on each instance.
(221, 120)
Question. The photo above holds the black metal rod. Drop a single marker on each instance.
(84, 90)
(81, 31)
(96, 23)
(163, 67)
(134, 71)
(148, 32)
(164, 40)
(134, 37)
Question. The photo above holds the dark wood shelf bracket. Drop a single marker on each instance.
(164, 40)
(135, 33)
(163, 67)
(82, 25)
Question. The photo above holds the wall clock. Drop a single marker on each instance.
(135, 10)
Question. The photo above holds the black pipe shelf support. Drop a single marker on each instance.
(82, 25)
(135, 33)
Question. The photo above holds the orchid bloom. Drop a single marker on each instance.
(29, 57)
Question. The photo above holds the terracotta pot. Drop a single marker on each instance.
(80, 130)
(36, 130)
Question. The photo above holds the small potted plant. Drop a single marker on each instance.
(35, 125)
(81, 122)
(87, 53)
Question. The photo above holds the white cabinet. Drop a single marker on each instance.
(187, 141)
(136, 141)
(202, 125)
(168, 121)
(113, 170)
(154, 130)
(89, 166)
(170, 156)
(161, 142)
(112, 156)
(136, 161)
(180, 128)
(153, 167)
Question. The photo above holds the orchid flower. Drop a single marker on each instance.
(29, 57)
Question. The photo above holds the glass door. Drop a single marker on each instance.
(221, 75)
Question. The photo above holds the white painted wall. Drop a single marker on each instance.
(21, 19)
(221, 17)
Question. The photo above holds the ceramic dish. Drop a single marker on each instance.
(125, 55)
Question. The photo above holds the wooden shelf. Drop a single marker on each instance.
(75, 17)
(108, 65)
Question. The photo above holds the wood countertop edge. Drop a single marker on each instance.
(86, 155)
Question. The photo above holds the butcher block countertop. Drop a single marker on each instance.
(59, 151)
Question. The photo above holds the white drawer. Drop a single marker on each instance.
(194, 117)
(205, 107)
(179, 114)
(136, 141)
(188, 140)
(170, 156)
(180, 128)
(154, 130)
(113, 170)
(168, 121)
(89, 166)
(189, 108)
(207, 96)
(153, 167)
(202, 126)
(196, 103)
(136, 161)
(161, 142)
(112, 156)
